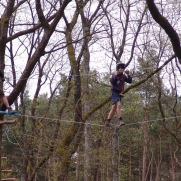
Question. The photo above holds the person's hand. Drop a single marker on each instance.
(116, 73)
(126, 72)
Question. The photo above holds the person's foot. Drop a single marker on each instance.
(10, 111)
(121, 123)
(107, 122)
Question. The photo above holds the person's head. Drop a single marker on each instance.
(120, 66)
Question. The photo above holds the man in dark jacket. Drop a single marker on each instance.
(117, 79)
(3, 97)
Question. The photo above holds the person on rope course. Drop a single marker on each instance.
(3, 97)
(117, 80)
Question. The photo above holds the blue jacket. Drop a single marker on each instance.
(117, 81)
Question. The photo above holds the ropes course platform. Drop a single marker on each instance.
(6, 171)
(9, 179)
(6, 112)
(7, 122)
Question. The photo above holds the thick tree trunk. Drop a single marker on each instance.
(75, 132)
(4, 23)
(86, 103)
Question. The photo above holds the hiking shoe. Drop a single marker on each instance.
(107, 122)
(10, 111)
(121, 123)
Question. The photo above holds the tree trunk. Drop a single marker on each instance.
(86, 103)
(4, 23)
(159, 159)
(130, 163)
(145, 144)
(172, 162)
(75, 132)
(115, 152)
(0, 145)
(77, 165)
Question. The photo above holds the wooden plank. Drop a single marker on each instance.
(4, 158)
(8, 122)
(6, 170)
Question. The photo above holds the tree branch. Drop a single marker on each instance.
(163, 22)
(41, 15)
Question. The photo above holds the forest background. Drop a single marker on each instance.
(57, 57)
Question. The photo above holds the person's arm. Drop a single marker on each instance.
(128, 78)
(113, 77)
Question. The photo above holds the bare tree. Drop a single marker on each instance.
(58, 38)
(10, 9)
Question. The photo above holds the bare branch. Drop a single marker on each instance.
(163, 22)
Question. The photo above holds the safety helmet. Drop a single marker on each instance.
(120, 65)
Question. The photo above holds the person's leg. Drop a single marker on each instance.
(116, 103)
(4, 98)
(5, 101)
(119, 114)
(118, 109)
(112, 111)
(110, 115)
